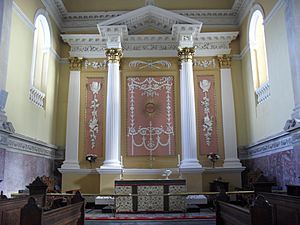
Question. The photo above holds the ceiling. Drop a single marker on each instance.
(120, 5)
(75, 16)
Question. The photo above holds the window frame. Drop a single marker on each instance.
(37, 95)
(262, 89)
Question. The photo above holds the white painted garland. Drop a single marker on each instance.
(142, 64)
(93, 122)
(207, 120)
(95, 65)
(151, 136)
(205, 63)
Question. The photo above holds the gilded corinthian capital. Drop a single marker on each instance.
(75, 63)
(185, 54)
(113, 55)
(224, 61)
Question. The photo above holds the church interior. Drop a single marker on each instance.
(159, 98)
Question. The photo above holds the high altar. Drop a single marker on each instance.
(148, 93)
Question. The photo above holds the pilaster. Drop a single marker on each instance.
(228, 114)
(5, 27)
(72, 134)
(292, 16)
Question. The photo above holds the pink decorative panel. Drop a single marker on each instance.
(207, 126)
(150, 116)
(94, 114)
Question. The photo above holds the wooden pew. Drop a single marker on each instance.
(260, 213)
(72, 214)
(286, 208)
(10, 209)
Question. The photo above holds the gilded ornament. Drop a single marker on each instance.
(186, 54)
(75, 63)
(113, 55)
(224, 61)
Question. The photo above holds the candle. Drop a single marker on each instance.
(121, 161)
(178, 158)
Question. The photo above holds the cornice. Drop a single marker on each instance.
(25, 145)
(278, 143)
(75, 21)
(93, 46)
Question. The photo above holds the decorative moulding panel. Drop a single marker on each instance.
(150, 109)
(25, 145)
(281, 142)
(94, 114)
(207, 114)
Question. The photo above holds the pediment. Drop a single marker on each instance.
(149, 17)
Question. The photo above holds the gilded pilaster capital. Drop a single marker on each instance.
(113, 55)
(75, 63)
(224, 61)
(186, 54)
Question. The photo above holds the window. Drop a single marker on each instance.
(258, 55)
(40, 59)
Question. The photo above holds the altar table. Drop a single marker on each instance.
(150, 195)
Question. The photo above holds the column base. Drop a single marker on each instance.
(111, 165)
(232, 163)
(70, 165)
(190, 163)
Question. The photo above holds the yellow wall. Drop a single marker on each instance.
(269, 117)
(28, 119)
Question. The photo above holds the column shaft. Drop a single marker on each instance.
(188, 114)
(113, 112)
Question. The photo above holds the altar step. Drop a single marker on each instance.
(204, 217)
(177, 222)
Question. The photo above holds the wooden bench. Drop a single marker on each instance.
(73, 214)
(10, 209)
(260, 213)
(286, 208)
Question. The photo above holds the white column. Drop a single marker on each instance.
(187, 107)
(228, 114)
(72, 136)
(113, 112)
(5, 27)
(293, 34)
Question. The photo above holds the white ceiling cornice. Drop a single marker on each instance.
(83, 21)
(93, 46)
